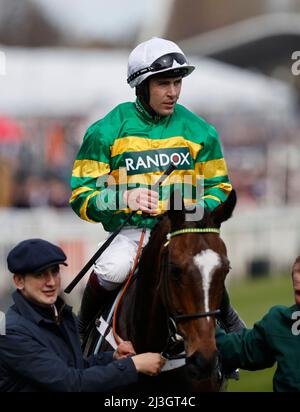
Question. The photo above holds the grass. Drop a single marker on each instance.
(252, 299)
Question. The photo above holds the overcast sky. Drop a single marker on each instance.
(109, 19)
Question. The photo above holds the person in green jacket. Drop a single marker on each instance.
(275, 338)
(125, 153)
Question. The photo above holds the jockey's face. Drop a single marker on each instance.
(296, 283)
(164, 93)
(40, 288)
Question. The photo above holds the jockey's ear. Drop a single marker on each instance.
(224, 211)
(176, 211)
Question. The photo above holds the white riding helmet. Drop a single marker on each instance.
(156, 56)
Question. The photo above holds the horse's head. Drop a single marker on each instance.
(194, 267)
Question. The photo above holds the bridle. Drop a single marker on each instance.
(173, 317)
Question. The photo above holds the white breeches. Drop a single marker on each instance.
(114, 265)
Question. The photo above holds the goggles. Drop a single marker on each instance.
(164, 62)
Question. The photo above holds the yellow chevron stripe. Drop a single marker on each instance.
(178, 176)
(226, 187)
(212, 197)
(83, 209)
(212, 168)
(162, 206)
(138, 144)
(77, 192)
(89, 168)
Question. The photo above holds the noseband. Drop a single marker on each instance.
(175, 318)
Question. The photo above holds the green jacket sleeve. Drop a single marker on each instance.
(91, 199)
(211, 164)
(246, 349)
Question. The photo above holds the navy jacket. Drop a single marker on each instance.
(38, 355)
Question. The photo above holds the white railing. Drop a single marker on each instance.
(270, 234)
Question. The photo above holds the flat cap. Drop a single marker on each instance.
(33, 256)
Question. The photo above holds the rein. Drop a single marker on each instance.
(138, 253)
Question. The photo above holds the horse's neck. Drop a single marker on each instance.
(150, 320)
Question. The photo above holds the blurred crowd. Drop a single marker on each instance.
(36, 161)
(37, 155)
(262, 151)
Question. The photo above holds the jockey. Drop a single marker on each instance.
(122, 156)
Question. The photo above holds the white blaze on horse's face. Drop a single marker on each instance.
(207, 262)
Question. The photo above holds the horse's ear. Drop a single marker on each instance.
(176, 211)
(224, 211)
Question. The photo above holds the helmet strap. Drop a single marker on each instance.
(142, 93)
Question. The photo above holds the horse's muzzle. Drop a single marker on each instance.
(199, 367)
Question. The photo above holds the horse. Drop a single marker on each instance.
(172, 304)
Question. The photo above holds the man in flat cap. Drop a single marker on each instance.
(41, 350)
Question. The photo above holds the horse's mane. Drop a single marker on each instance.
(157, 234)
(161, 222)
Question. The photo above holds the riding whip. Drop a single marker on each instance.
(108, 241)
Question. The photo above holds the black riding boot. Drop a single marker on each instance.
(94, 299)
(228, 318)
